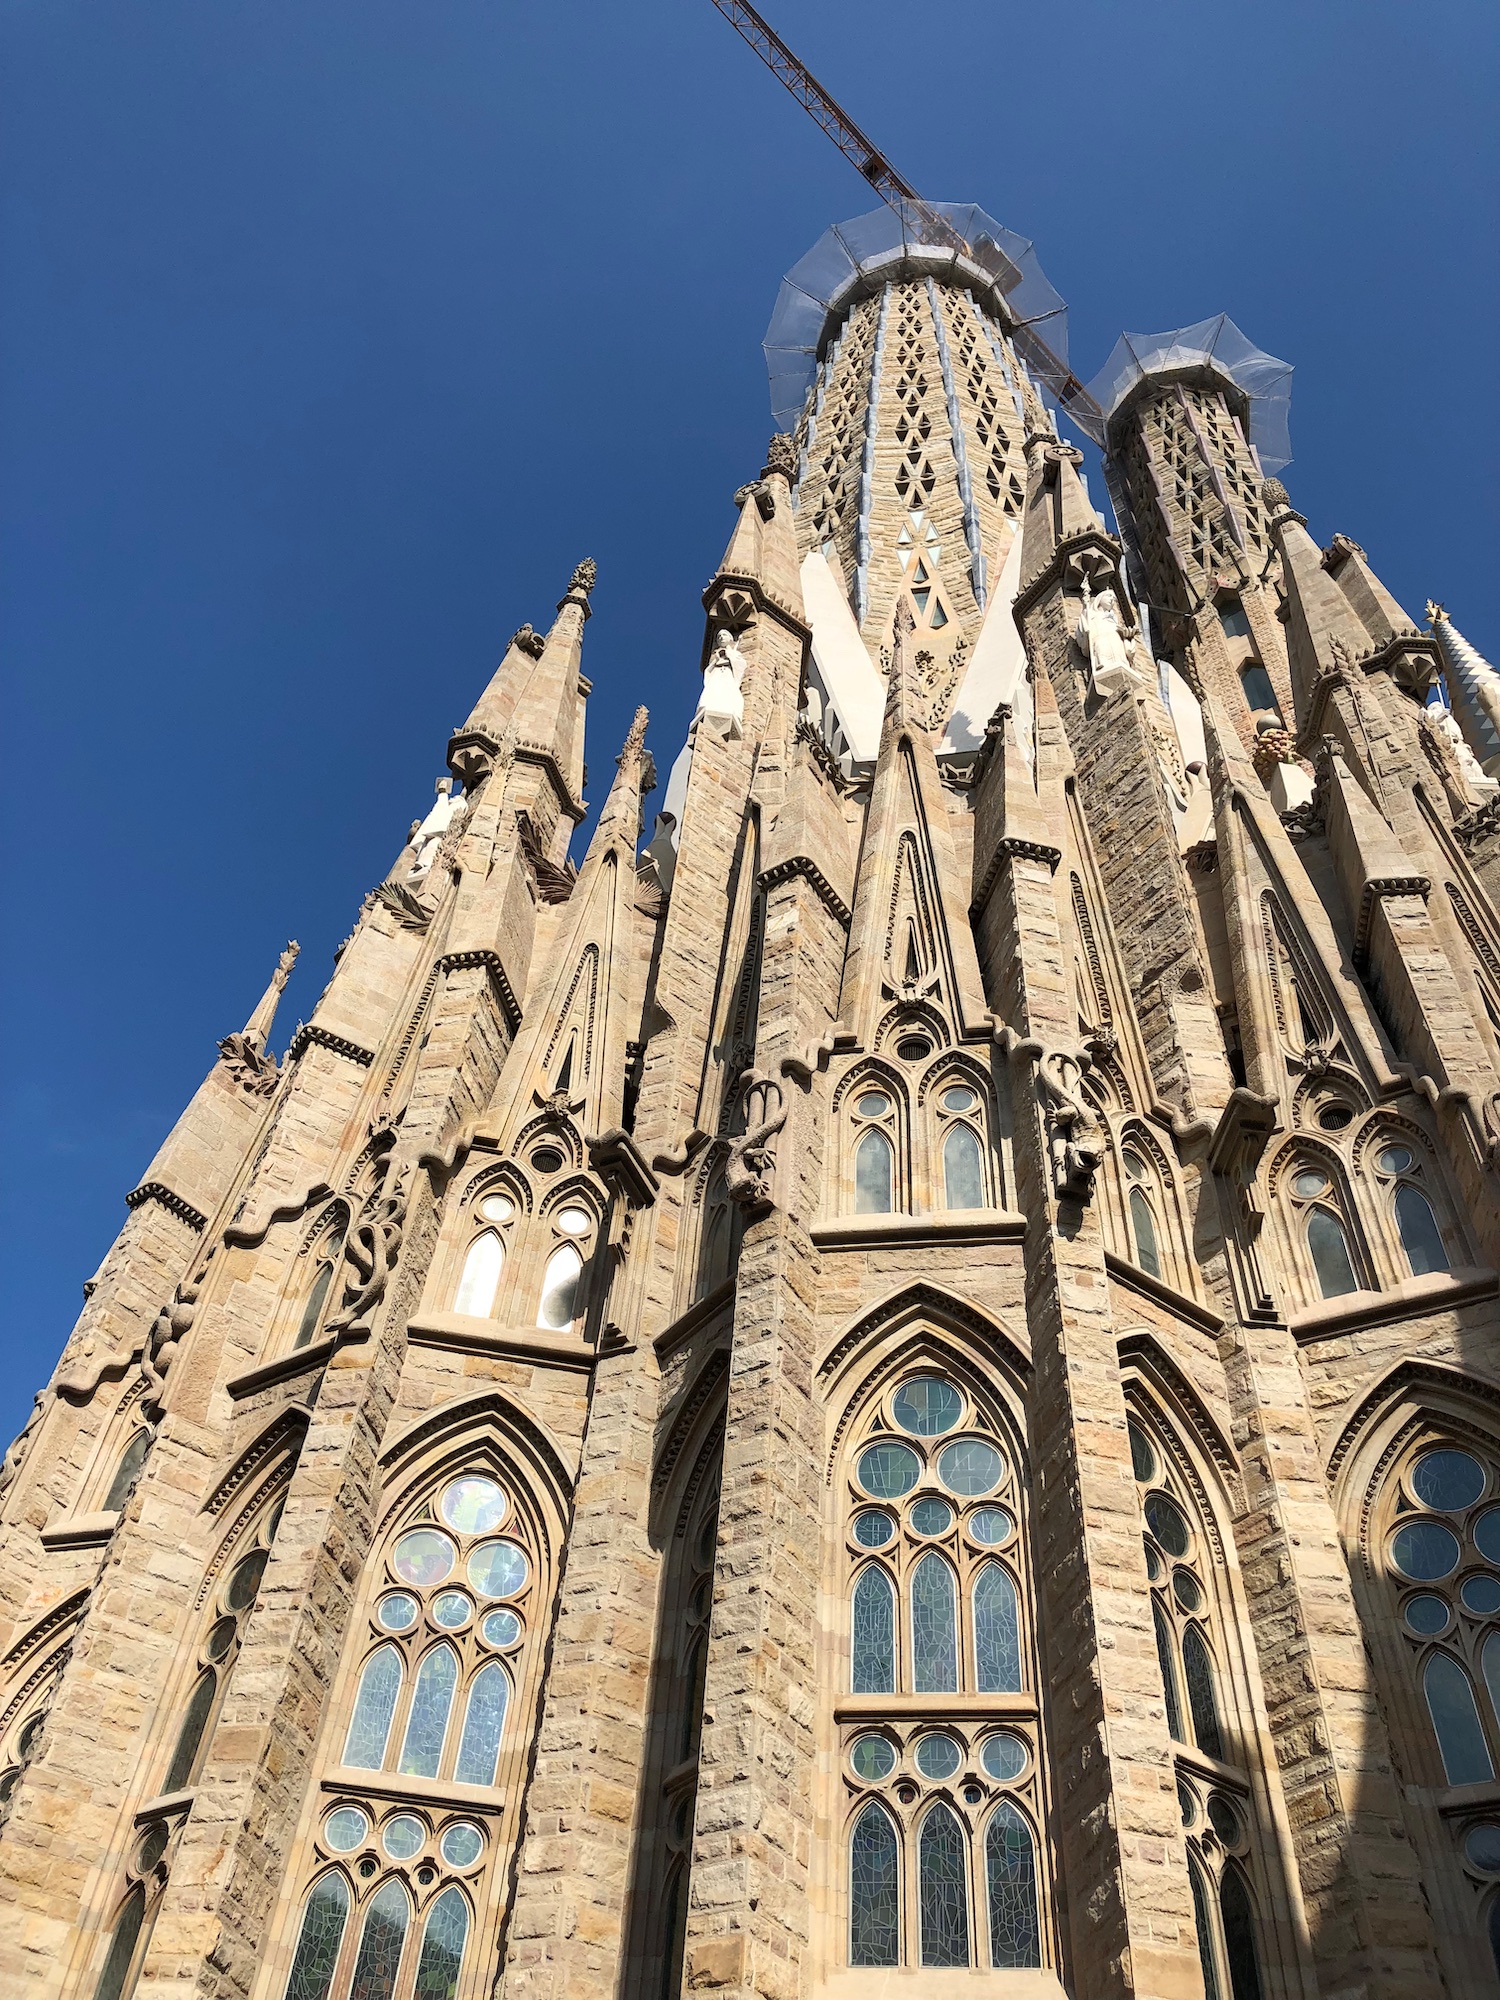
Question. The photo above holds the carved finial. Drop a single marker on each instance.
(284, 965)
(585, 576)
(527, 641)
(781, 456)
(635, 736)
(1435, 612)
(1274, 495)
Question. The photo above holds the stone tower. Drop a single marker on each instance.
(894, 1392)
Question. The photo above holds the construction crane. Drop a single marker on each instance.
(919, 216)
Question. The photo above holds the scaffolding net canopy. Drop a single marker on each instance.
(1214, 347)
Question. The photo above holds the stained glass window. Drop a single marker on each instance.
(997, 1632)
(1330, 1254)
(374, 1705)
(1197, 1671)
(481, 1276)
(874, 1633)
(122, 1946)
(442, 1947)
(1168, 1674)
(1421, 1238)
(559, 1305)
(323, 1919)
(1143, 1226)
(312, 1312)
(934, 1627)
(1010, 1874)
(874, 1894)
(1239, 1936)
(943, 1889)
(873, 1172)
(483, 1721)
(190, 1735)
(1202, 1923)
(426, 1726)
(963, 1169)
(130, 1464)
(380, 1944)
(1455, 1717)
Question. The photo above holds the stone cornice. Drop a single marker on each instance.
(1009, 847)
(903, 1232)
(173, 1203)
(1331, 1318)
(542, 754)
(1161, 1294)
(760, 598)
(1379, 889)
(616, 1157)
(1051, 571)
(283, 1368)
(310, 1034)
(460, 961)
(812, 874)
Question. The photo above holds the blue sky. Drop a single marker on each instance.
(332, 335)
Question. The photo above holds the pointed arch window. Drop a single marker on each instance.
(374, 1708)
(386, 1918)
(324, 1918)
(443, 1939)
(1455, 1721)
(1323, 1229)
(963, 1169)
(932, 1490)
(126, 1936)
(874, 1172)
(1401, 1168)
(558, 1306)
(317, 1299)
(1140, 1187)
(131, 1460)
(228, 1608)
(480, 1279)
(1198, 1672)
(484, 1720)
(427, 1722)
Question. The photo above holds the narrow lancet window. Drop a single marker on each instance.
(130, 1464)
(481, 1276)
(483, 1721)
(943, 1889)
(963, 1169)
(432, 1697)
(324, 1916)
(442, 1947)
(873, 1174)
(559, 1303)
(934, 1627)
(374, 1706)
(380, 1943)
(1421, 1238)
(1330, 1254)
(874, 1635)
(874, 1892)
(1455, 1717)
(997, 1632)
(1010, 1876)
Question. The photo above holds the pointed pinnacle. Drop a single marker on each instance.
(635, 736)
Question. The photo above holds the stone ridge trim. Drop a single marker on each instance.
(172, 1203)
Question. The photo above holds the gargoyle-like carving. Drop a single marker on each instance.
(1075, 1143)
(750, 1165)
(763, 496)
(370, 1252)
(529, 642)
(255, 1072)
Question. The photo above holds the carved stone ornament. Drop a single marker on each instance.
(529, 642)
(409, 913)
(781, 456)
(1274, 495)
(763, 496)
(254, 1072)
(750, 1166)
(15, 1457)
(370, 1252)
(1075, 1143)
(585, 576)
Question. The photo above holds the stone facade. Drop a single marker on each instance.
(899, 1387)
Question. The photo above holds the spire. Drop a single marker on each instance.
(1321, 623)
(258, 1027)
(492, 712)
(1057, 503)
(547, 713)
(1473, 689)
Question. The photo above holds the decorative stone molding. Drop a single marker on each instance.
(173, 1203)
(615, 1156)
(750, 1164)
(812, 874)
(733, 600)
(309, 1035)
(458, 961)
(763, 495)
(1478, 825)
(781, 456)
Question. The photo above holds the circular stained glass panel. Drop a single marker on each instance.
(501, 1628)
(221, 1638)
(1425, 1550)
(424, 1557)
(403, 1836)
(959, 1098)
(574, 1221)
(345, 1829)
(1168, 1523)
(1311, 1181)
(1394, 1160)
(872, 1758)
(498, 1569)
(1334, 1117)
(1004, 1756)
(1481, 1595)
(990, 1526)
(1187, 1590)
(1482, 1847)
(474, 1505)
(398, 1612)
(970, 1466)
(938, 1756)
(1447, 1481)
(450, 1609)
(1425, 1615)
(872, 1530)
(874, 1104)
(497, 1208)
(888, 1470)
(927, 1405)
(1486, 1533)
(931, 1517)
(462, 1844)
(1224, 1820)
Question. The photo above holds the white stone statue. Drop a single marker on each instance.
(1445, 722)
(429, 836)
(1099, 635)
(721, 704)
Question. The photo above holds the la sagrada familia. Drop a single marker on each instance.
(888, 1387)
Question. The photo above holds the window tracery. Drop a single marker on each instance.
(456, 1591)
(484, 1257)
(941, 1780)
(321, 1256)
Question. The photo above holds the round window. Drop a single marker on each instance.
(1134, 1168)
(1486, 1533)
(872, 1758)
(1311, 1181)
(938, 1756)
(450, 1609)
(1482, 1848)
(574, 1221)
(1481, 1595)
(1425, 1615)
(990, 1526)
(498, 1569)
(497, 1208)
(1394, 1160)
(1425, 1550)
(914, 1049)
(345, 1829)
(1142, 1455)
(1187, 1590)
(424, 1557)
(1168, 1523)
(1447, 1481)
(473, 1506)
(888, 1470)
(1004, 1756)
(221, 1638)
(927, 1406)
(931, 1517)
(959, 1098)
(398, 1612)
(1334, 1117)
(546, 1159)
(462, 1844)
(874, 1104)
(501, 1628)
(403, 1836)
(1224, 1820)
(872, 1530)
(970, 1466)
